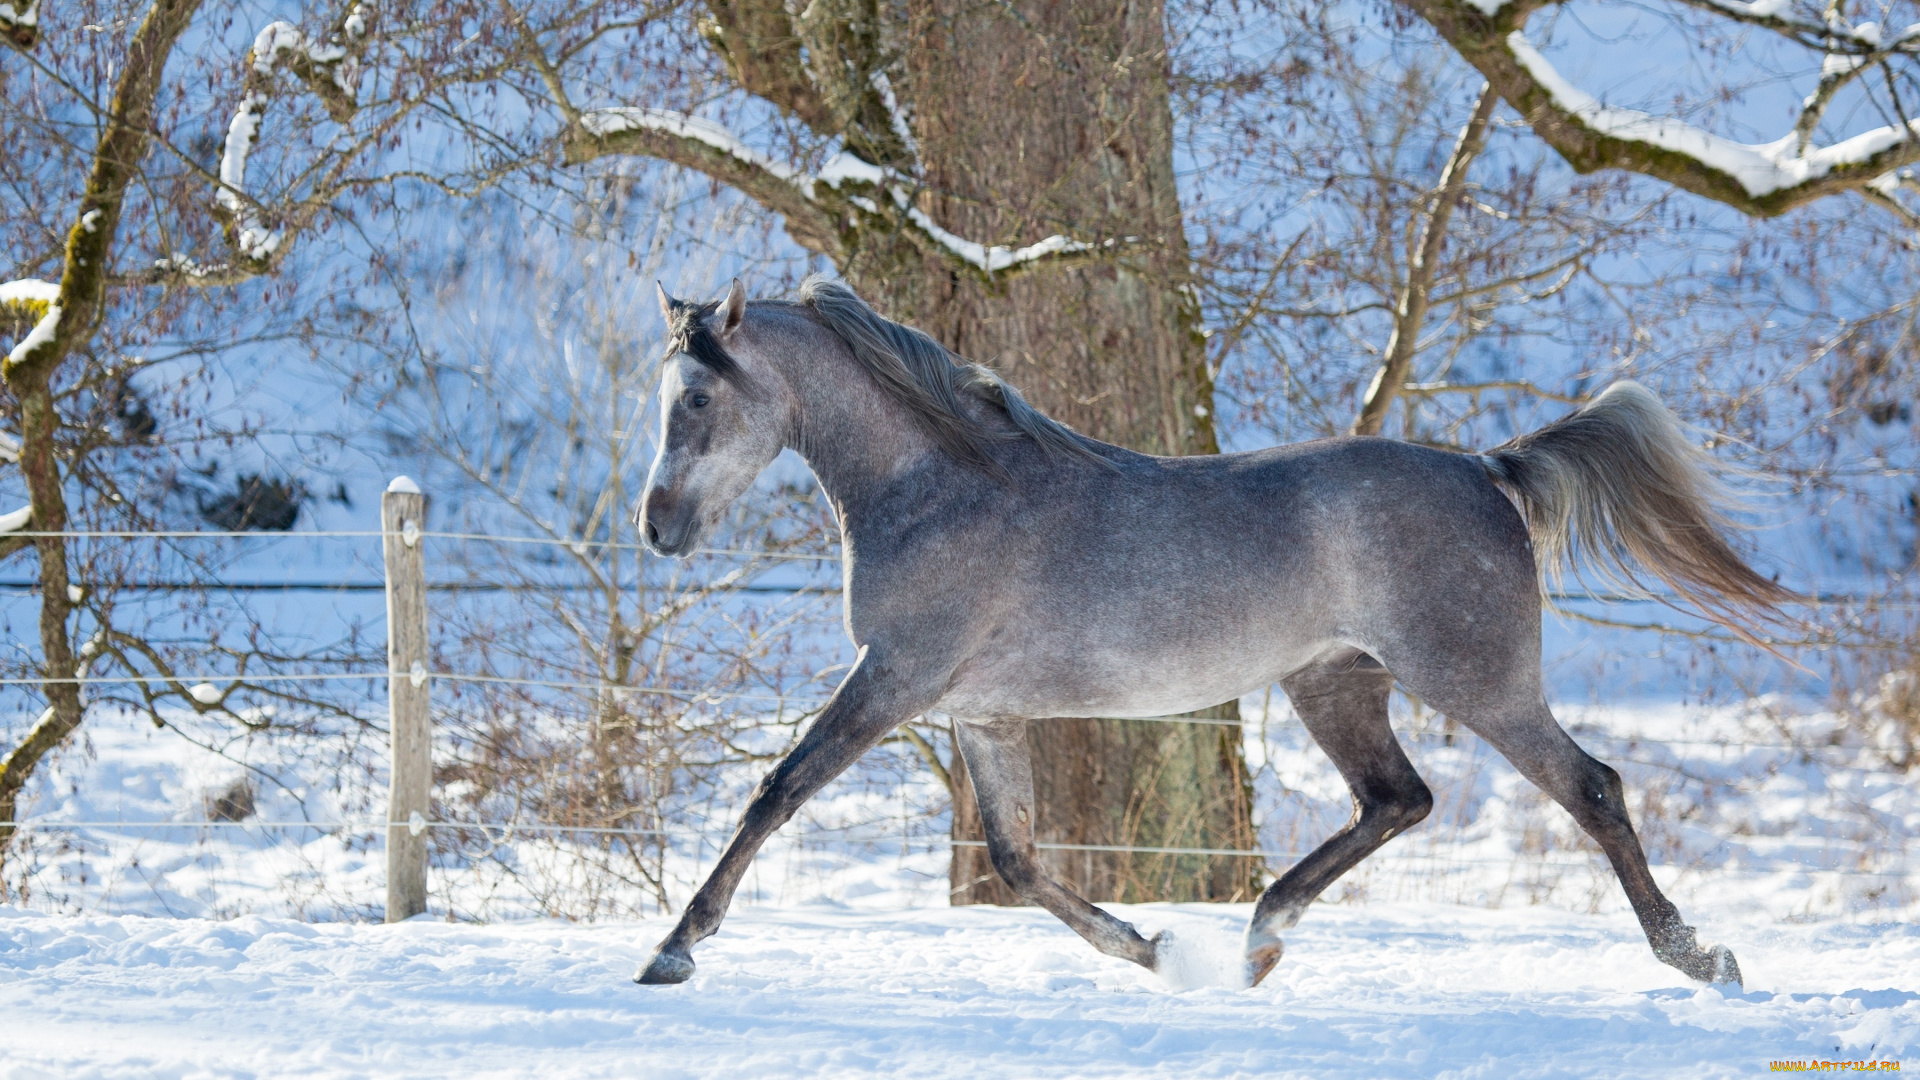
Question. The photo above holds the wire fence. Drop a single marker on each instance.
(709, 840)
(839, 837)
(581, 545)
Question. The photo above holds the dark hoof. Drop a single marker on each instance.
(1261, 961)
(1726, 970)
(665, 969)
(1161, 945)
(1715, 966)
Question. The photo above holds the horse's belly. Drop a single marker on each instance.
(1040, 681)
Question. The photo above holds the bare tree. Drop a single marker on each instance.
(153, 194)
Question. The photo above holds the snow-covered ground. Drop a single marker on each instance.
(1492, 941)
(1746, 813)
(1383, 990)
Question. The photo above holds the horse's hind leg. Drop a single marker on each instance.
(996, 756)
(1344, 707)
(1590, 790)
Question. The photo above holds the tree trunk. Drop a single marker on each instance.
(1041, 118)
(29, 374)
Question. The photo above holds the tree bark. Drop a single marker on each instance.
(29, 374)
(1034, 119)
(1021, 121)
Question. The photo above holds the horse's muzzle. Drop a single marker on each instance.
(666, 525)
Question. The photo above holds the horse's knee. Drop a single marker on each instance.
(774, 801)
(1017, 869)
(1603, 798)
(1394, 811)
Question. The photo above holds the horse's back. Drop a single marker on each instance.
(1173, 583)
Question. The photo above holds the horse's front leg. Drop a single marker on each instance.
(874, 699)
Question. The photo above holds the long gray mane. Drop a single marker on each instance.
(933, 382)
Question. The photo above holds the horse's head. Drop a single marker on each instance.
(723, 418)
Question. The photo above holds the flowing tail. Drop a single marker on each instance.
(1616, 486)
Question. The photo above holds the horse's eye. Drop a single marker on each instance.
(698, 400)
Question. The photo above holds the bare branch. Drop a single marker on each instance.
(1411, 312)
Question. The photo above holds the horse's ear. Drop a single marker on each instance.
(733, 309)
(667, 303)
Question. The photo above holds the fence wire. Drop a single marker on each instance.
(581, 546)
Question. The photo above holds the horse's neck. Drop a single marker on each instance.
(855, 436)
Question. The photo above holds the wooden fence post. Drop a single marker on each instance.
(402, 519)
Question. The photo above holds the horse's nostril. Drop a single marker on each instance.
(653, 533)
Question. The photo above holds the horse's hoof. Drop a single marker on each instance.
(1162, 945)
(1715, 966)
(1726, 970)
(665, 969)
(1262, 961)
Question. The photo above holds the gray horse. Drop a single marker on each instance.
(1001, 568)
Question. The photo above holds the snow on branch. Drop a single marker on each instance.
(250, 232)
(605, 122)
(330, 69)
(1761, 169)
(1762, 179)
(31, 298)
(20, 22)
(806, 200)
(28, 292)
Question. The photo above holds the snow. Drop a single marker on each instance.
(1836, 63)
(9, 451)
(896, 116)
(41, 333)
(15, 520)
(275, 39)
(1403, 990)
(355, 25)
(252, 236)
(1489, 8)
(1484, 943)
(843, 167)
(994, 258)
(29, 291)
(181, 263)
(29, 17)
(404, 485)
(1865, 34)
(205, 693)
(1760, 168)
(604, 122)
(90, 220)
